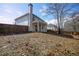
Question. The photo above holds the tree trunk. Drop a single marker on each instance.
(59, 30)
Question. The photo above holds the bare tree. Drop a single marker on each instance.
(75, 19)
(60, 11)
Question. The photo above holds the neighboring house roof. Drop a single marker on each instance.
(28, 14)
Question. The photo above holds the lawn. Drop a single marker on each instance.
(38, 44)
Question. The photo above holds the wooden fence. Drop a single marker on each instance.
(12, 29)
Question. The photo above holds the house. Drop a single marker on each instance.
(52, 27)
(34, 23)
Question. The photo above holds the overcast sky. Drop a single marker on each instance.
(10, 11)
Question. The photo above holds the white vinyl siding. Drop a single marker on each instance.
(22, 21)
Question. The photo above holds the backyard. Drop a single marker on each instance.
(38, 44)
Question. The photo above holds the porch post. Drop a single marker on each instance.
(46, 28)
(38, 26)
(41, 27)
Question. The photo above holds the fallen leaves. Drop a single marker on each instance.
(35, 44)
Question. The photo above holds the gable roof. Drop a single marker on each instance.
(38, 18)
(22, 16)
(28, 14)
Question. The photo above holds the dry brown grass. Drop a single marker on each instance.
(35, 44)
